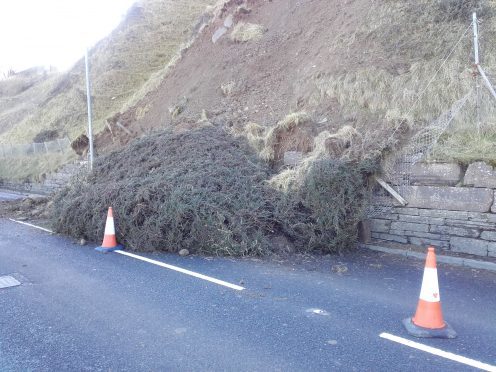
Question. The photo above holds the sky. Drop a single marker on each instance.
(54, 32)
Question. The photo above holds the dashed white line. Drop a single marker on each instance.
(439, 352)
(183, 271)
(31, 225)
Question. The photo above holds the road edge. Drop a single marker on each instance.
(451, 260)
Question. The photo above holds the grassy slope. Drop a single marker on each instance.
(120, 65)
(123, 67)
(20, 95)
(383, 67)
(422, 34)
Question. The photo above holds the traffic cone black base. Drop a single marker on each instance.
(446, 332)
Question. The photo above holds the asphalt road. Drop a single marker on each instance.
(80, 310)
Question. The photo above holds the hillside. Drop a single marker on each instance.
(359, 63)
(263, 136)
(135, 53)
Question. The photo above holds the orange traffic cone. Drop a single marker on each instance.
(109, 241)
(428, 320)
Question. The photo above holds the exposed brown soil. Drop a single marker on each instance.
(272, 77)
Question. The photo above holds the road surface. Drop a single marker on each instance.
(80, 310)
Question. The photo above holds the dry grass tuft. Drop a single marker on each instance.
(295, 119)
(255, 135)
(244, 32)
(293, 133)
(336, 144)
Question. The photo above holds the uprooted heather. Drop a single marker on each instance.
(208, 192)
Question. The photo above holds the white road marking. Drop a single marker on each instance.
(183, 271)
(8, 281)
(30, 225)
(439, 352)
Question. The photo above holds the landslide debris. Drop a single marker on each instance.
(207, 191)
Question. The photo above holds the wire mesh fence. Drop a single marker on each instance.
(60, 145)
(399, 167)
(397, 170)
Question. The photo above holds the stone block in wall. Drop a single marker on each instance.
(386, 216)
(491, 251)
(434, 174)
(472, 224)
(422, 219)
(488, 235)
(483, 217)
(453, 230)
(390, 237)
(468, 245)
(378, 225)
(480, 174)
(435, 213)
(449, 198)
(479, 217)
(423, 242)
(406, 210)
(432, 236)
(493, 207)
(410, 226)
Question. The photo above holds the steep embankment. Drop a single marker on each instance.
(360, 63)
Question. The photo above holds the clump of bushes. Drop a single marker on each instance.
(325, 202)
(46, 135)
(207, 191)
(201, 190)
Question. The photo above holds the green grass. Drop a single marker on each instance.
(32, 168)
(466, 147)
(429, 30)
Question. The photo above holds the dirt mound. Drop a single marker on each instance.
(207, 191)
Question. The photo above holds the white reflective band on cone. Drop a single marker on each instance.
(109, 226)
(430, 286)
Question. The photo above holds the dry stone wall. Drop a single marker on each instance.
(459, 218)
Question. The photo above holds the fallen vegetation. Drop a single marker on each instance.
(206, 191)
